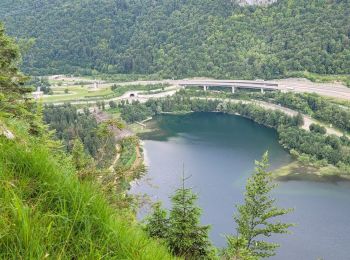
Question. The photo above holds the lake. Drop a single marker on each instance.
(218, 152)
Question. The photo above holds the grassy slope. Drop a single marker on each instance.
(46, 211)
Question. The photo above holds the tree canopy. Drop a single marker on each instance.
(177, 38)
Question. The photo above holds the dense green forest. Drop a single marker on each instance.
(177, 38)
(69, 124)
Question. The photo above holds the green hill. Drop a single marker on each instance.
(178, 38)
(46, 210)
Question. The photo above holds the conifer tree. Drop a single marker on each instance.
(83, 163)
(186, 236)
(157, 224)
(255, 218)
(80, 159)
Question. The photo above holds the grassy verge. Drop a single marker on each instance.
(46, 212)
(120, 90)
(344, 79)
(76, 93)
(127, 154)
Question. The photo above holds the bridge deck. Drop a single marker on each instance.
(229, 83)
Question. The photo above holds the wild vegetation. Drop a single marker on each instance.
(255, 218)
(69, 124)
(181, 38)
(311, 104)
(181, 230)
(49, 209)
(61, 205)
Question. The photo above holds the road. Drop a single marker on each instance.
(334, 90)
(288, 85)
(307, 120)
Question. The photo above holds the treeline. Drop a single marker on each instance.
(271, 118)
(137, 111)
(41, 82)
(179, 103)
(317, 148)
(312, 104)
(69, 124)
(216, 38)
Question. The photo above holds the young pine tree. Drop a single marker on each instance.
(186, 237)
(157, 224)
(255, 217)
(83, 163)
(181, 230)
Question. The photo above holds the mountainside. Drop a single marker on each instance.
(256, 2)
(178, 38)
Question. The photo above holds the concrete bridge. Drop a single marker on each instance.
(233, 84)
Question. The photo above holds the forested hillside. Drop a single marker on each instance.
(178, 38)
(52, 205)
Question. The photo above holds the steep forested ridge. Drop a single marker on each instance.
(178, 38)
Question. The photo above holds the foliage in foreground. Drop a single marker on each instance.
(181, 231)
(47, 212)
(255, 218)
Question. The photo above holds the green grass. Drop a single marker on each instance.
(75, 93)
(47, 212)
(78, 93)
(128, 153)
(120, 90)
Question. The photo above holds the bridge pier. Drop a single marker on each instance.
(233, 89)
(205, 88)
(262, 91)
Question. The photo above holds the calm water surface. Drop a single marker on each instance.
(219, 152)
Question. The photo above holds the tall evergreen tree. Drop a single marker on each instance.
(255, 217)
(186, 236)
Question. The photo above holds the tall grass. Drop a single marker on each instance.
(45, 212)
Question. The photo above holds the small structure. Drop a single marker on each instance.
(95, 86)
(38, 94)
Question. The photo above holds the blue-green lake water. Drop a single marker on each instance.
(218, 152)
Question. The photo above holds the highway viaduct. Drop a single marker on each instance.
(233, 84)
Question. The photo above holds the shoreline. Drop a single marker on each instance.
(297, 171)
(291, 171)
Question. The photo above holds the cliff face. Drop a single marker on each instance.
(256, 2)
